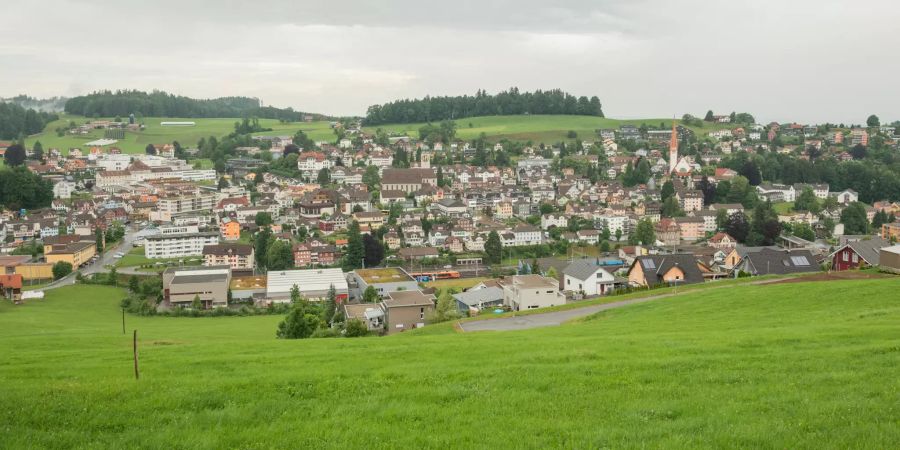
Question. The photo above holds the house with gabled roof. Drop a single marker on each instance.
(674, 269)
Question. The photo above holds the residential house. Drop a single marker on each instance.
(474, 301)
(588, 277)
(773, 261)
(858, 253)
(673, 269)
(523, 292)
(240, 257)
(407, 310)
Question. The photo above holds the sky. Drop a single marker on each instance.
(798, 60)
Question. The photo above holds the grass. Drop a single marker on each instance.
(459, 283)
(538, 128)
(783, 207)
(154, 133)
(799, 365)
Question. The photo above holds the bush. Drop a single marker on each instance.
(326, 332)
(61, 269)
(355, 328)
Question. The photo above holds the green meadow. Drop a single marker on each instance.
(154, 133)
(796, 365)
(536, 128)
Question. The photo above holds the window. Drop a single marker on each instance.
(844, 254)
(648, 264)
(799, 260)
(855, 258)
(421, 313)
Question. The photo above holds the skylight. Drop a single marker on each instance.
(799, 260)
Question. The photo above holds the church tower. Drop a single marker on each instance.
(673, 149)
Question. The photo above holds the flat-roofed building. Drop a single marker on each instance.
(182, 285)
(383, 280)
(178, 245)
(521, 292)
(312, 283)
(407, 310)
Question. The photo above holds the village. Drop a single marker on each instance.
(375, 220)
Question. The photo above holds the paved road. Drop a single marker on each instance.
(551, 319)
(108, 258)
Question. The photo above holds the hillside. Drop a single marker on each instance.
(536, 128)
(797, 365)
(154, 133)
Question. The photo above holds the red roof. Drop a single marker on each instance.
(11, 281)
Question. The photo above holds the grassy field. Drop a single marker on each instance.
(154, 133)
(798, 365)
(783, 207)
(537, 128)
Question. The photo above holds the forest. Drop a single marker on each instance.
(509, 102)
(162, 104)
(16, 121)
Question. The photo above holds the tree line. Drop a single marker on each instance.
(509, 102)
(16, 121)
(162, 104)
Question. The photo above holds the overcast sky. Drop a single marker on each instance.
(803, 60)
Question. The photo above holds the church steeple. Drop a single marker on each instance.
(673, 148)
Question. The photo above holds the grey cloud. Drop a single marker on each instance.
(799, 60)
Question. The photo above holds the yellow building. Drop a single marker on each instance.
(35, 271)
(75, 254)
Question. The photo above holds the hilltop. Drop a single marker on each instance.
(798, 365)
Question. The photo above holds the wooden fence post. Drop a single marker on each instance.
(137, 374)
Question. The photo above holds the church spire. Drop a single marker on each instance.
(673, 148)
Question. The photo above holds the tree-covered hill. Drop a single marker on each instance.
(162, 104)
(510, 102)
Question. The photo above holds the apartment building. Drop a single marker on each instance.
(178, 245)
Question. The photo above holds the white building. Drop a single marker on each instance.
(178, 245)
(522, 292)
(313, 284)
(63, 189)
(587, 277)
(554, 220)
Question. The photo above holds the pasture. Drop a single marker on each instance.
(793, 365)
(536, 128)
(154, 133)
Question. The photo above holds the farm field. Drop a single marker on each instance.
(537, 128)
(793, 365)
(154, 133)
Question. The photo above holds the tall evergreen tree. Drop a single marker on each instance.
(355, 252)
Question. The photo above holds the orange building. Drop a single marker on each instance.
(230, 229)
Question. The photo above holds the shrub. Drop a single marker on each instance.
(61, 269)
(355, 328)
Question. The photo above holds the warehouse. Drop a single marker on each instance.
(312, 283)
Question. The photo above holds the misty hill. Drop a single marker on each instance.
(50, 105)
